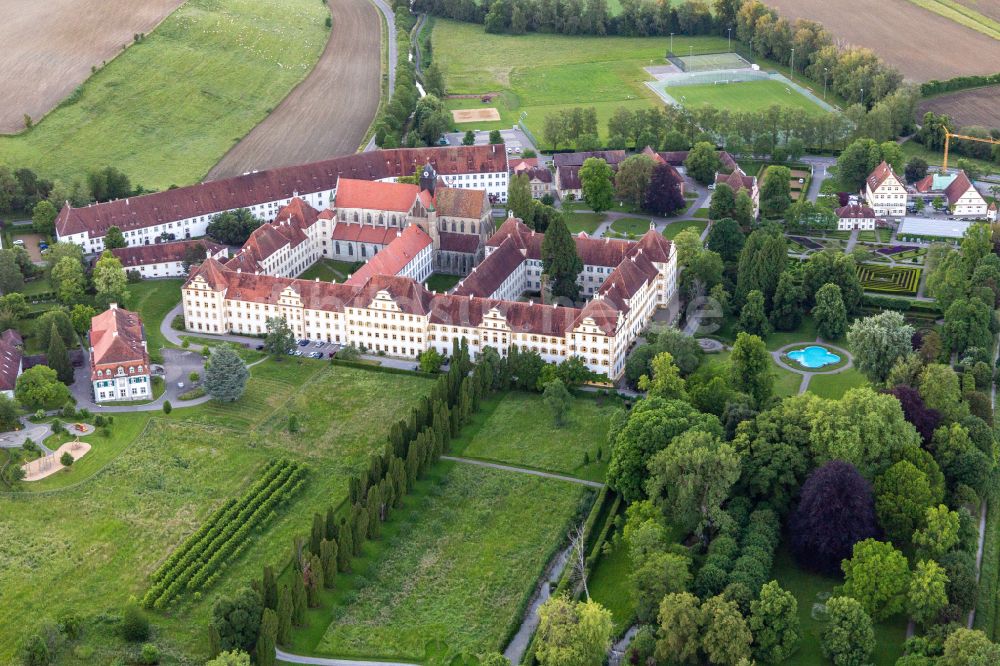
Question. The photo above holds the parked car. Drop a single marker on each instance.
(19, 243)
(290, 352)
(43, 245)
(259, 347)
(303, 343)
(712, 186)
(180, 385)
(801, 180)
(298, 353)
(316, 355)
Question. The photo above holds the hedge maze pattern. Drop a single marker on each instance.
(889, 280)
(199, 560)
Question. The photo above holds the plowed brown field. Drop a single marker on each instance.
(967, 107)
(49, 48)
(920, 43)
(988, 8)
(329, 112)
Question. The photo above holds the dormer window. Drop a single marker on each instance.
(131, 370)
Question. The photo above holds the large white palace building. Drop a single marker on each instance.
(402, 232)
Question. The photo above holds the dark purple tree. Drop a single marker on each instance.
(664, 196)
(917, 340)
(843, 198)
(835, 511)
(923, 418)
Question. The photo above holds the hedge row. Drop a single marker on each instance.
(740, 570)
(196, 563)
(989, 572)
(935, 87)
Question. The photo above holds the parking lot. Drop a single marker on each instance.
(515, 139)
(311, 349)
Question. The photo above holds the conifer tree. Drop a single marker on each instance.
(330, 529)
(359, 523)
(345, 547)
(284, 616)
(373, 507)
(58, 358)
(328, 560)
(560, 261)
(412, 467)
(318, 533)
(266, 638)
(214, 641)
(298, 595)
(269, 589)
(313, 579)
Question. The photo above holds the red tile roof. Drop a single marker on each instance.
(458, 202)
(855, 212)
(11, 353)
(882, 173)
(491, 272)
(362, 233)
(737, 180)
(455, 242)
(395, 256)
(398, 197)
(676, 158)
(593, 251)
(958, 187)
(287, 230)
(117, 338)
(540, 174)
(519, 164)
(274, 184)
(160, 253)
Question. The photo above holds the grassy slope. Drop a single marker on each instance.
(674, 228)
(153, 299)
(108, 533)
(517, 429)
(744, 97)
(169, 107)
(603, 72)
(455, 565)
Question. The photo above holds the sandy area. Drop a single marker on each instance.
(49, 48)
(475, 115)
(46, 465)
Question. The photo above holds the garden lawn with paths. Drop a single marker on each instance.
(635, 226)
(837, 384)
(518, 429)
(588, 222)
(153, 299)
(577, 71)
(329, 270)
(454, 566)
(442, 282)
(166, 109)
(109, 532)
(674, 228)
(811, 590)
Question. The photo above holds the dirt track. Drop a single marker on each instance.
(922, 44)
(967, 107)
(329, 112)
(49, 48)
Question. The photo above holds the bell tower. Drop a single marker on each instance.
(428, 178)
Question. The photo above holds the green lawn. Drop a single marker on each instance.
(168, 108)
(441, 282)
(635, 226)
(811, 590)
(330, 270)
(453, 569)
(701, 213)
(806, 332)
(744, 97)
(610, 586)
(603, 72)
(836, 385)
(153, 299)
(125, 505)
(675, 228)
(516, 428)
(935, 158)
(588, 222)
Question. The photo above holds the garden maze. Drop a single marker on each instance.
(889, 280)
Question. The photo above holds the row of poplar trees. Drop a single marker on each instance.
(413, 445)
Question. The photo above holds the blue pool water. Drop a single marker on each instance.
(814, 356)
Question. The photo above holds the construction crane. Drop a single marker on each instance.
(947, 140)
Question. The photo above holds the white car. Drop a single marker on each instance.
(180, 384)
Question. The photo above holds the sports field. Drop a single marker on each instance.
(168, 108)
(600, 72)
(744, 96)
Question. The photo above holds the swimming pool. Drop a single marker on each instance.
(814, 356)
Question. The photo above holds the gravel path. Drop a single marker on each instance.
(524, 470)
(324, 661)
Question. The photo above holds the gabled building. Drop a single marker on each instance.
(11, 357)
(568, 169)
(885, 192)
(964, 200)
(184, 212)
(167, 259)
(855, 216)
(738, 181)
(291, 243)
(119, 362)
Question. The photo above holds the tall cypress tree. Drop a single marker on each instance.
(267, 637)
(330, 528)
(318, 533)
(345, 547)
(58, 358)
(359, 522)
(313, 578)
(269, 589)
(284, 616)
(373, 507)
(298, 599)
(214, 641)
(328, 560)
(560, 261)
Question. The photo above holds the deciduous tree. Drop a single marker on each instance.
(680, 622)
(726, 639)
(237, 619)
(878, 341)
(557, 399)
(849, 637)
(596, 184)
(775, 197)
(110, 281)
(928, 591)
(632, 179)
(663, 196)
(572, 633)
(726, 238)
(902, 496)
(703, 162)
(830, 313)
(39, 388)
(750, 369)
(114, 238)
(774, 624)
(876, 576)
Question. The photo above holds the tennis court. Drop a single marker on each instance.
(708, 61)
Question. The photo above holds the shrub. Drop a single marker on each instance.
(71, 625)
(194, 376)
(150, 654)
(134, 624)
(167, 407)
(193, 394)
(66, 459)
(35, 652)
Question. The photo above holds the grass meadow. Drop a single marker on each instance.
(744, 97)
(169, 107)
(153, 299)
(452, 571)
(88, 538)
(602, 72)
(517, 429)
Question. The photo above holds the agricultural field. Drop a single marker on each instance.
(78, 35)
(963, 14)
(306, 126)
(744, 96)
(111, 520)
(901, 33)
(977, 106)
(889, 280)
(599, 72)
(516, 429)
(453, 569)
(168, 108)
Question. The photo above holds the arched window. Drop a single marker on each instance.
(369, 217)
(364, 253)
(131, 370)
(350, 249)
(381, 220)
(355, 216)
(336, 247)
(463, 227)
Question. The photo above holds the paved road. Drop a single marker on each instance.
(324, 661)
(524, 470)
(519, 644)
(820, 167)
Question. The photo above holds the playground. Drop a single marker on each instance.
(50, 463)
